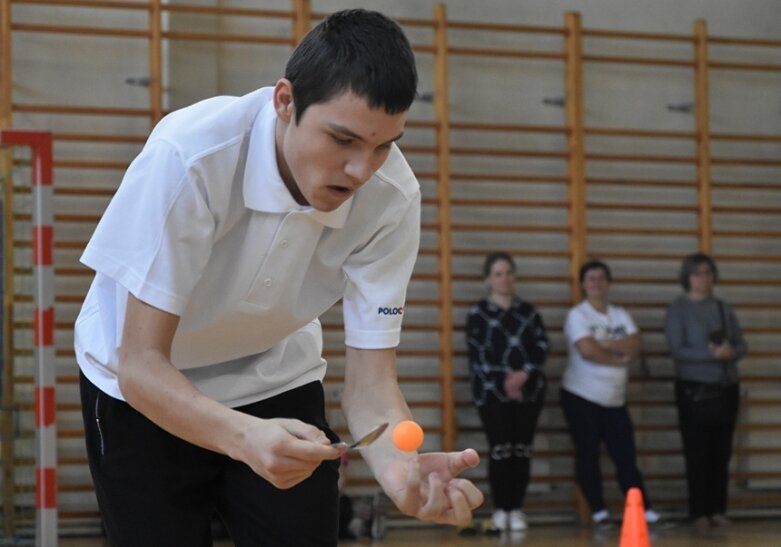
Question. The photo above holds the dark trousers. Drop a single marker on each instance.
(509, 427)
(155, 489)
(707, 429)
(590, 425)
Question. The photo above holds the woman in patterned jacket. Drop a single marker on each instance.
(507, 350)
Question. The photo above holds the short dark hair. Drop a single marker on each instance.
(690, 263)
(594, 265)
(354, 50)
(493, 258)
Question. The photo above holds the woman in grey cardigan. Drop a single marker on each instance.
(706, 343)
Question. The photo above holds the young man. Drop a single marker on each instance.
(241, 221)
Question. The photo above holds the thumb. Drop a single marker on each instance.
(460, 461)
(305, 431)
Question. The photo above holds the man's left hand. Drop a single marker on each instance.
(427, 486)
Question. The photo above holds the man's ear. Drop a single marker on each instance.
(283, 100)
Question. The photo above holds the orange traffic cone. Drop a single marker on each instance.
(634, 530)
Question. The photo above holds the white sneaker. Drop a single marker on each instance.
(601, 520)
(499, 519)
(517, 521)
(652, 517)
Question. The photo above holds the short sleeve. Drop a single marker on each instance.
(156, 234)
(377, 279)
(626, 319)
(576, 327)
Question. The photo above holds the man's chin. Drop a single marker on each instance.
(327, 207)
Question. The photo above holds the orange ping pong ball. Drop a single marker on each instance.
(407, 436)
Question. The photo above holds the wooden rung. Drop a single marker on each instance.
(655, 61)
(422, 124)
(423, 48)
(746, 234)
(537, 302)
(81, 110)
(479, 202)
(81, 31)
(228, 11)
(744, 137)
(758, 162)
(646, 36)
(504, 177)
(538, 253)
(622, 255)
(508, 228)
(61, 217)
(503, 152)
(90, 164)
(736, 209)
(507, 127)
(100, 138)
(625, 158)
(759, 67)
(643, 207)
(746, 258)
(58, 244)
(626, 230)
(520, 278)
(640, 133)
(413, 149)
(505, 27)
(73, 191)
(746, 185)
(506, 53)
(102, 4)
(224, 37)
(760, 42)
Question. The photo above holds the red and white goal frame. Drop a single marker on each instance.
(40, 145)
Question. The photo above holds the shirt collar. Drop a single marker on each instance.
(264, 189)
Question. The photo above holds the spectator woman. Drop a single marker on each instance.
(602, 341)
(706, 343)
(507, 350)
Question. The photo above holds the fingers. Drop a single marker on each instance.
(309, 443)
(286, 451)
(412, 495)
(440, 496)
(471, 493)
(461, 512)
(305, 431)
(450, 502)
(436, 501)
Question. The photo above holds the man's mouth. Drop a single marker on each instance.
(340, 190)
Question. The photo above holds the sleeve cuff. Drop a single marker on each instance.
(361, 339)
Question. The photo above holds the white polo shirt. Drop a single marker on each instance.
(596, 382)
(203, 227)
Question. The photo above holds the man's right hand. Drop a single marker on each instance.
(285, 451)
(282, 451)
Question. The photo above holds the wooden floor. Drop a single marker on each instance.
(743, 533)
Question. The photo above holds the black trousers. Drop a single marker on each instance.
(509, 427)
(707, 429)
(590, 425)
(155, 489)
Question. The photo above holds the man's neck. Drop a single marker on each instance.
(504, 301)
(599, 304)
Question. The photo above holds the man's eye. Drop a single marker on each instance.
(340, 140)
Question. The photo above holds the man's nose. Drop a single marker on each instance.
(359, 169)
